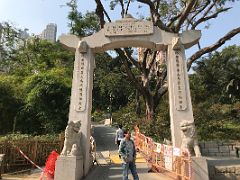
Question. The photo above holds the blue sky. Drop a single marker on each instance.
(36, 14)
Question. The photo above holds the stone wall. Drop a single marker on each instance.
(225, 172)
(214, 148)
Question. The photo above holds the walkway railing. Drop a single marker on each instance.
(164, 158)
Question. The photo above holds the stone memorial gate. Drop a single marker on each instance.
(127, 32)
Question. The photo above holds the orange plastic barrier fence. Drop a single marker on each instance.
(164, 158)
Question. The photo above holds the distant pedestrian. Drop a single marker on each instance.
(119, 135)
(128, 155)
(93, 148)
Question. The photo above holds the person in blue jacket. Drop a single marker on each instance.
(127, 152)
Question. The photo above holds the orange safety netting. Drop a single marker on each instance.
(164, 158)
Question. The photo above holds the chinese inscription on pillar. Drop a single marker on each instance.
(179, 86)
(82, 84)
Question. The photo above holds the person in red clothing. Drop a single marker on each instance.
(48, 173)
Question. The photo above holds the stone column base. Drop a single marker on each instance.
(200, 168)
(69, 168)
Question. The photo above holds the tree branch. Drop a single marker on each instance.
(129, 1)
(106, 14)
(130, 58)
(100, 11)
(160, 82)
(159, 93)
(173, 19)
(163, 90)
(144, 61)
(184, 14)
(129, 72)
(204, 19)
(122, 6)
(213, 47)
(199, 11)
(152, 60)
(155, 15)
(158, 4)
(148, 2)
(209, 8)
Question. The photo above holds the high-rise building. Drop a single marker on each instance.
(50, 32)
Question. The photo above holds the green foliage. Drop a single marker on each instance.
(161, 127)
(24, 57)
(157, 129)
(8, 43)
(38, 56)
(109, 81)
(215, 95)
(46, 103)
(216, 113)
(36, 80)
(9, 104)
(35, 84)
(219, 75)
(98, 115)
(217, 122)
(37, 104)
(126, 116)
(16, 137)
(170, 10)
(82, 25)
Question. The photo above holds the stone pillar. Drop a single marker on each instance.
(178, 88)
(81, 97)
(200, 168)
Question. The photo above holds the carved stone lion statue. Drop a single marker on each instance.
(72, 139)
(189, 139)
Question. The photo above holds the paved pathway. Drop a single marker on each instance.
(34, 176)
(107, 170)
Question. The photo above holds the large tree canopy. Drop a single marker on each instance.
(220, 75)
(172, 16)
(35, 78)
(46, 102)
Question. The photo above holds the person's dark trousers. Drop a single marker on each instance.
(237, 149)
(133, 169)
(118, 143)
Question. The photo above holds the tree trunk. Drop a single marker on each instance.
(138, 105)
(150, 110)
